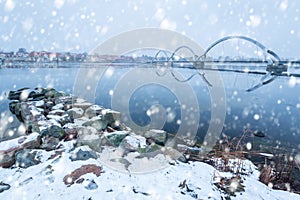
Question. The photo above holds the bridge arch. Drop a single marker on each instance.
(264, 49)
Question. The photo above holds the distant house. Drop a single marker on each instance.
(21, 55)
(42, 56)
(6, 55)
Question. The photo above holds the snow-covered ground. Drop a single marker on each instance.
(177, 180)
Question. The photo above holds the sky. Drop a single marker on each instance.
(79, 26)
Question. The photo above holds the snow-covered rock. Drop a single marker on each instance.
(9, 148)
(158, 136)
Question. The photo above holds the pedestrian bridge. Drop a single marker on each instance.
(268, 63)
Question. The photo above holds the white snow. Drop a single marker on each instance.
(45, 181)
(58, 106)
(136, 141)
(17, 142)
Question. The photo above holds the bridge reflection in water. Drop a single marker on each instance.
(270, 66)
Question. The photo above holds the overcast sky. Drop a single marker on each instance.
(78, 26)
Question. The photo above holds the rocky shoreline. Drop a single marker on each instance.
(52, 117)
(71, 143)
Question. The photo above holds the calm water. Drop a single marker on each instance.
(273, 109)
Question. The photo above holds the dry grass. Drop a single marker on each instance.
(278, 171)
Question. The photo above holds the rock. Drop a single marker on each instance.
(134, 143)
(111, 117)
(96, 122)
(25, 94)
(93, 111)
(84, 169)
(158, 136)
(51, 93)
(7, 159)
(15, 108)
(71, 133)
(65, 119)
(87, 130)
(64, 100)
(49, 105)
(26, 158)
(32, 127)
(15, 95)
(89, 136)
(50, 143)
(59, 106)
(80, 121)
(62, 120)
(153, 147)
(114, 138)
(54, 131)
(58, 112)
(81, 104)
(93, 141)
(75, 113)
(4, 186)
(90, 184)
(38, 104)
(47, 123)
(31, 113)
(9, 148)
(83, 155)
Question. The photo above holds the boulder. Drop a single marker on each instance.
(134, 143)
(16, 95)
(83, 155)
(158, 136)
(54, 131)
(47, 123)
(96, 122)
(80, 121)
(26, 158)
(15, 108)
(59, 106)
(58, 112)
(38, 104)
(111, 117)
(93, 111)
(50, 143)
(114, 138)
(32, 127)
(81, 104)
(25, 94)
(49, 105)
(62, 120)
(10, 147)
(7, 159)
(87, 130)
(71, 133)
(89, 136)
(75, 113)
(31, 113)
(90, 184)
(64, 100)
(77, 173)
(51, 93)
